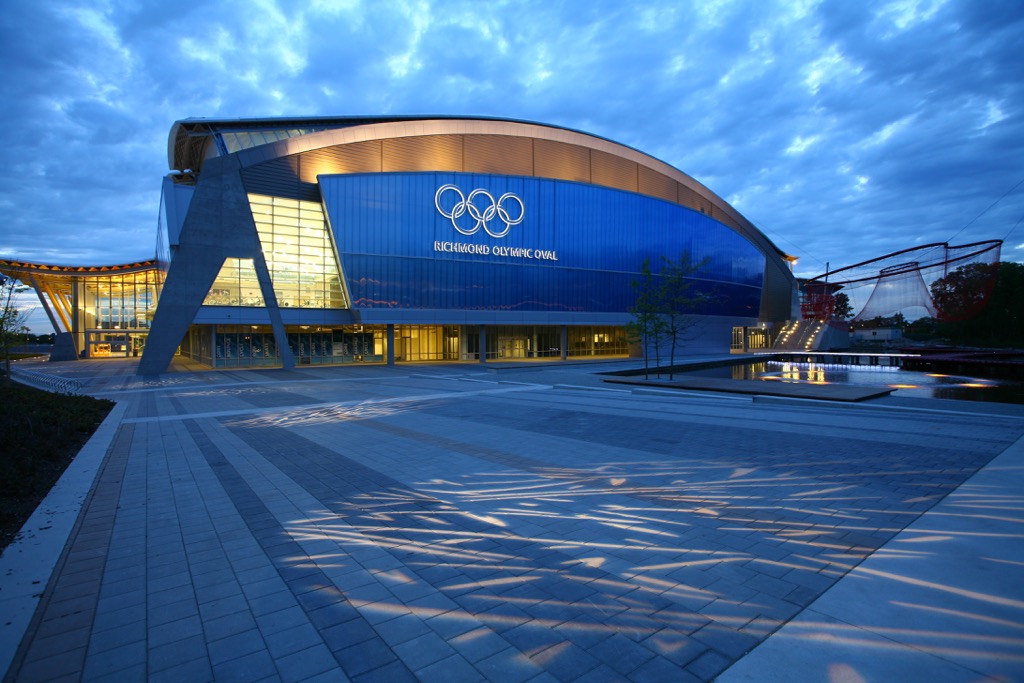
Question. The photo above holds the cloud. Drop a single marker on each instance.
(843, 129)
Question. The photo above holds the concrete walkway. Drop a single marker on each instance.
(846, 393)
(460, 523)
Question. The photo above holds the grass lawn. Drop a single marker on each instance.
(40, 434)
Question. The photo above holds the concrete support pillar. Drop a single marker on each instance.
(391, 344)
(483, 343)
(565, 342)
(63, 348)
(259, 262)
(219, 226)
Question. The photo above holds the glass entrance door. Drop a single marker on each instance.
(513, 347)
(109, 345)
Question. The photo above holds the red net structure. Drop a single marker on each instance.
(936, 280)
(818, 301)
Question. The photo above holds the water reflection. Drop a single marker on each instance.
(919, 384)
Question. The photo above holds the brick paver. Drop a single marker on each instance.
(440, 524)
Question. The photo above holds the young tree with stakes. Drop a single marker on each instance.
(665, 308)
(647, 326)
(12, 320)
(679, 302)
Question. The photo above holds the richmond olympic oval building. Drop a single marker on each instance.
(398, 239)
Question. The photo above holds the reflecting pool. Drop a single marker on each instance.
(907, 383)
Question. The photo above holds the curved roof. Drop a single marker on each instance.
(259, 141)
(19, 269)
(189, 140)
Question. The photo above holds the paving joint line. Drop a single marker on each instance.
(332, 404)
(224, 385)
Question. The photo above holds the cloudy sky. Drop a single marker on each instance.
(844, 129)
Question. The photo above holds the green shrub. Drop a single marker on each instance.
(40, 433)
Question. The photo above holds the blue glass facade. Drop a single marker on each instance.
(564, 246)
(450, 239)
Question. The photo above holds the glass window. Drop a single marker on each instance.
(302, 261)
(112, 302)
(231, 142)
(243, 139)
(236, 285)
(579, 249)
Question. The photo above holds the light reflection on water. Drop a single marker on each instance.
(908, 383)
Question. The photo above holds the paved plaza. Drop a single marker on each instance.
(534, 523)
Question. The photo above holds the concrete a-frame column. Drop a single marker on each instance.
(391, 344)
(219, 226)
(270, 299)
(483, 343)
(565, 342)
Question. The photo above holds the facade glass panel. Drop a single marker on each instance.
(115, 312)
(116, 302)
(234, 141)
(513, 342)
(577, 247)
(300, 257)
(597, 341)
(299, 251)
(236, 346)
(236, 285)
(416, 343)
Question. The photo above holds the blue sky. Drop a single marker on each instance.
(843, 129)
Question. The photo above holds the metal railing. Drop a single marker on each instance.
(51, 383)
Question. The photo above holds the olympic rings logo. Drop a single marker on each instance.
(491, 208)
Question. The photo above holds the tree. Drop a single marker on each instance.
(994, 293)
(922, 329)
(963, 293)
(12, 320)
(665, 309)
(647, 326)
(679, 301)
(841, 308)
(896, 320)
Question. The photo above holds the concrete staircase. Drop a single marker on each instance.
(799, 335)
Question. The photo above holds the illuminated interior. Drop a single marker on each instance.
(254, 345)
(116, 311)
(300, 256)
(299, 252)
(107, 309)
(236, 285)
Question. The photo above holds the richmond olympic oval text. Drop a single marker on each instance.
(487, 250)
